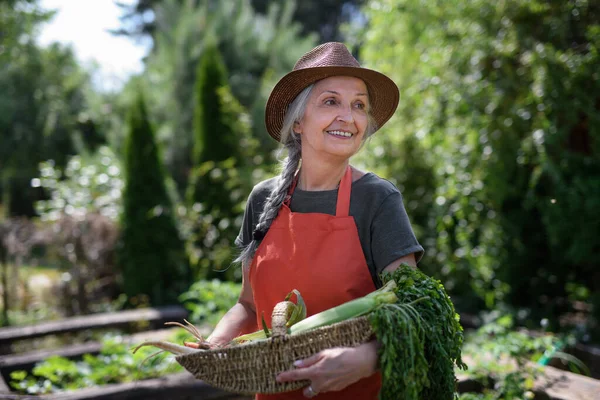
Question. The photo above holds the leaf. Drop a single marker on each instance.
(264, 326)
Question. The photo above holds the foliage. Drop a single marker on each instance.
(39, 312)
(152, 255)
(81, 214)
(45, 293)
(319, 16)
(115, 364)
(85, 248)
(498, 352)
(501, 101)
(222, 146)
(208, 301)
(210, 235)
(35, 300)
(18, 236)
(89, 183)
(256, 49)
(420, 340)
(218, 133)
(43, 102)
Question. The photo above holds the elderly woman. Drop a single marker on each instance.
(322, 226)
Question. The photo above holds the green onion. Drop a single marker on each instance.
(351, 309)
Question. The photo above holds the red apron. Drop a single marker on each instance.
(321, 256)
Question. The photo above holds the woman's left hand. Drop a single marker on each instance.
(334, 369)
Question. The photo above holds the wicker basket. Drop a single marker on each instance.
(252, 368)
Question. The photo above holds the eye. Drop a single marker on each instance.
(329, 102)
(360, 105)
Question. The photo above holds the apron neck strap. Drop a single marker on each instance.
(288, 198)
(343, 200)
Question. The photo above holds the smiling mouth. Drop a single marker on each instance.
(342, 134)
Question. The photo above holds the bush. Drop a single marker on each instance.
(89, 183)
(208, 301)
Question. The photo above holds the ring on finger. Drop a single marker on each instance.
(311, 391)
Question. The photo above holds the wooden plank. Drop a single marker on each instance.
(154, 316)
(3, 387)
(563, 385)
(589, 355)
(181, 386)
(26, 361)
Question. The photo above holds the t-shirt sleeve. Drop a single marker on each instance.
(392, 236)
(254, 206)
(245, 235)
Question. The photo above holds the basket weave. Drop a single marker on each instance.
(252, 368)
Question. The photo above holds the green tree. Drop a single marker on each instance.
(502, 99)
(42, 105)
(214, 136)
(222, 144)
(257, 49)
(323, 17)
(151, 254)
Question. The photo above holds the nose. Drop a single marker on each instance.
(345, 114)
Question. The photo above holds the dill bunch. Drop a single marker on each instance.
(420, 337)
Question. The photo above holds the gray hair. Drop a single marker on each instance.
(292, 142)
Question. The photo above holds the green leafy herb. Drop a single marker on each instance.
(421, 339)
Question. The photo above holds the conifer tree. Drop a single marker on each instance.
(222, 144)
(214, 136)
(152, 255)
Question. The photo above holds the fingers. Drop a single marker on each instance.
(302, 370)
(294, 375)
(307, 362)
(198, 345)
(309, 392)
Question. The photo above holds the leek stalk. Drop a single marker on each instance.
(351, 309)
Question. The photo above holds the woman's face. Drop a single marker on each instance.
(335, 119)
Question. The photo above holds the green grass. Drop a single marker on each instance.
(26, 271)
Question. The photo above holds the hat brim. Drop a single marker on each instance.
(383, 93)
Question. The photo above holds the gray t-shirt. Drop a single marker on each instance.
(376, 204)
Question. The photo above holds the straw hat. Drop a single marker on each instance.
(330, 59)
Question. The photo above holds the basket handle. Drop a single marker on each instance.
(280, 316)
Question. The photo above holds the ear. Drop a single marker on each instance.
(297, 127)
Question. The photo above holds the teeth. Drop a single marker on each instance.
(340, 133)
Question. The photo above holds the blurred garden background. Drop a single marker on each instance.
(127, 196)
